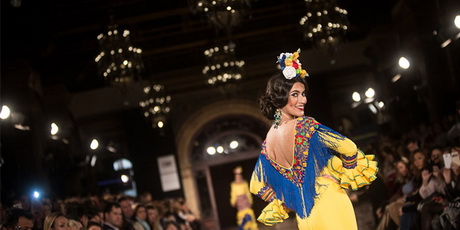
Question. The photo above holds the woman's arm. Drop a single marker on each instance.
(347, 150)
(351, 167)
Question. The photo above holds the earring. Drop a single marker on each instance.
(277, 117)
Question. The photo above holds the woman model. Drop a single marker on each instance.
(304, 166)
(241, 198)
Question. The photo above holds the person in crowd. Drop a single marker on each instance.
(304, 166)
(56, 221)
(113, 217)
(94, 226)
(411, 145)
(126, 204)
(419, 167)
(450, 217)
(241, 198)
(95, 217)
(75, 225)
(170, 221)
(186, 215)
(76, 211)
(17, 218)
(387, 168)
(140, 218)
(153, 218)
(145, 198)
(403, 187)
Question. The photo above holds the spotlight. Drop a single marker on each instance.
(54, 129)
(356, 97)
(211, 150)
(124, 178)
(370, 93)
(234, 144)
(36, 194)
(404, 63)
(94, 144)
(5, 113)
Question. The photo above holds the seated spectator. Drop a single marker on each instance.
(449, 219)
(170, 221)
(186, 215)
(18, 218)
(113, 218)
(153, 218)
(94, 226)
(390, 214)
(140, 218)
(126, 204)
(145, 198)
(77, 212)
(75, 225)
(56, 221)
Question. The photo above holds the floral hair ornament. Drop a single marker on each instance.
(291, 66)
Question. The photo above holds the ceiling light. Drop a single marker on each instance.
(211, 150)
(234, 144)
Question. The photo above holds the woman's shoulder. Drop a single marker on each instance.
(306, 120)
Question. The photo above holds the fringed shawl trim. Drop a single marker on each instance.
(295, 186)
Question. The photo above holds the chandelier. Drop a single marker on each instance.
(325, 24)
(156, 105)
(222, 14)
(223, 66)
(119, 62)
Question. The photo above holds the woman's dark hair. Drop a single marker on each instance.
(136, 209)
(277, 93)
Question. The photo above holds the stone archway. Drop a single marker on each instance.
(193, 125)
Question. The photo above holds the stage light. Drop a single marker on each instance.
(5, 113)
(211, 150)
(356, 97)
(54, 129)
(370, 93)
(36, 194)
(124, 178)
(234, 144)
(94, 144)
(404, 63)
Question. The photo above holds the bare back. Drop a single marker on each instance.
(280, 144)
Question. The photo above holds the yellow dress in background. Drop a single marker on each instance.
(325, 163)
(241, 198)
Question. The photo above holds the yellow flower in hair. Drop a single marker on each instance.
(295, 55)
(288, 62)
(303, 73)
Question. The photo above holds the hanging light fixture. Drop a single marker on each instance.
(119, 62)
(325, 24)
(222, 14)
(222, 64)
(156, 105)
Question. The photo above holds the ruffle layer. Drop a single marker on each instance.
(273, 213)
(363, 174)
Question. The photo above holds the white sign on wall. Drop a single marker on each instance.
(168, 173)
